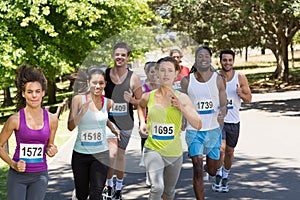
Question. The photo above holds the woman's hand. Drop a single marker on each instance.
(143, 129)
(117, 133)
(176, 103)
(51, 150)
(19, 166)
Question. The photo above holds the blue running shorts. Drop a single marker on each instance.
(204, 142)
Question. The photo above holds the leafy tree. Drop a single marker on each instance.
(57, 35)
(277, 23)
(238, 24)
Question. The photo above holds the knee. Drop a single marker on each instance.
(222, 150)
(212, 171)
(157, 189)
(229, 151)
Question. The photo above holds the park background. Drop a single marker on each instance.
(59, 36)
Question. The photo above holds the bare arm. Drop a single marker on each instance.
(244, 91)
(185, 105)
(136, 90)
(77, 111)
(222, 99)
(141, 112)
(109, 124)
(184, 84)
(51, 148)
(11, 125)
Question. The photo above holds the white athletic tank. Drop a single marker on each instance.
(233, 100)
(205, 97)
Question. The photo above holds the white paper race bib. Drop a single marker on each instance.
(229, 104)
(31, 153)
(119, 109)
(91, 137)
(163, 131)
(177, 85)
(205, 107)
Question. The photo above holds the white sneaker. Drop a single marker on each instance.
(142, 164)
(205, 173)
(74, 195)
(148, 183)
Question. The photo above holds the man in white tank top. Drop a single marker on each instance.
(237, 89)
(206, 89)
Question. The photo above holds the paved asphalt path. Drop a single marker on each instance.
(266, 166)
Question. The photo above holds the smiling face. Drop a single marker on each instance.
(203, 60)
(227, 62)
(97, 84)
(33, 94)
(120, 57)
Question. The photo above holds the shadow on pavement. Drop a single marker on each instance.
(60, 183)
(250, 178)
(276, 106)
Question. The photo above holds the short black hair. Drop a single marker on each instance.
(227, 51)
(122, 45)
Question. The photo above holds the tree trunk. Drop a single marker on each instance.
(246, 54)
(51, 92)
(278, 71)
(292, 53)
(285, 56)
(7, 97)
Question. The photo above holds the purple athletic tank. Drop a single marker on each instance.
(31, 144)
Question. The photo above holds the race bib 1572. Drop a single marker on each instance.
(31, 153)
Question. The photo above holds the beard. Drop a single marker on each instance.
(226, 70)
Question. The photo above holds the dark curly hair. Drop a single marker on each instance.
(24, 75)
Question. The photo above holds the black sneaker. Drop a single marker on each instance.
(217, 185)
(118, 195)
(225, 187)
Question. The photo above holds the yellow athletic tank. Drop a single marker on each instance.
(164, 128)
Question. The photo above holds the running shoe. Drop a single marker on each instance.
(142, 164)
(205, 173)
(217, 185)
(118, 195)
(74, 195)
(107, 193)
(225, 187)
(147, 180)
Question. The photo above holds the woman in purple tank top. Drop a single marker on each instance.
(34, 130)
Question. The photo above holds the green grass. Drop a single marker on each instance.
(3, 175)
(265, 76)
